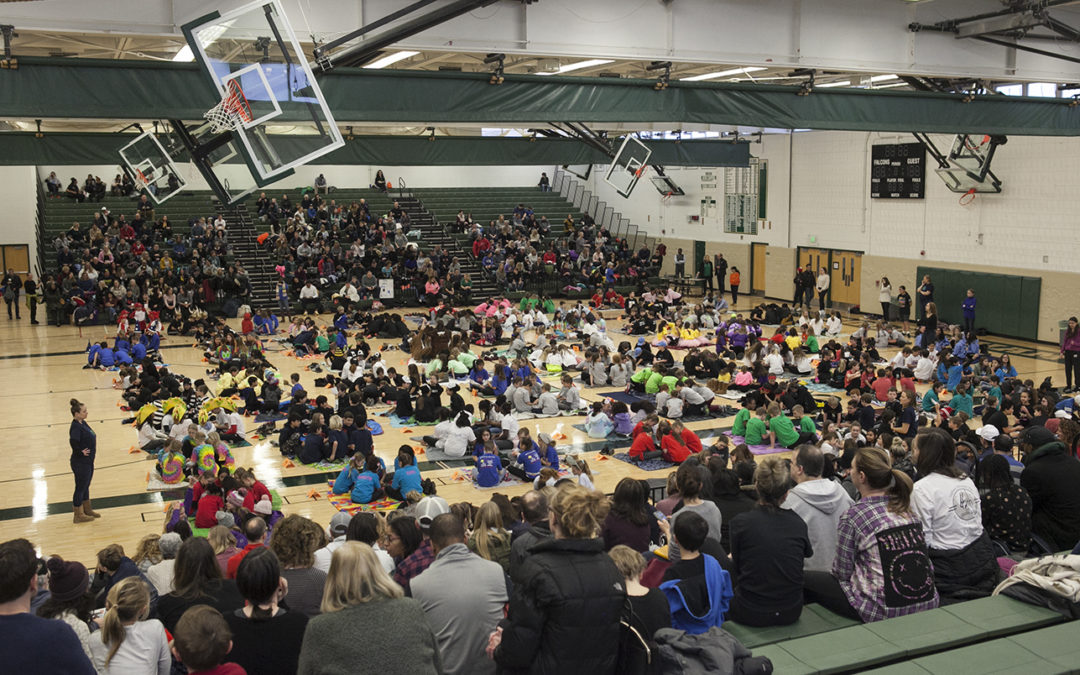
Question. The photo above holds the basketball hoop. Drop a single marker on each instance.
(232, 112)
(641, 170)
(967, 197)
(141, 182)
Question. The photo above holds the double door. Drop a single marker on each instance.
(845, 271)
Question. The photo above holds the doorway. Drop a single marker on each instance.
(845, 272)
(758, 257)
(15, 257)
(699, 257)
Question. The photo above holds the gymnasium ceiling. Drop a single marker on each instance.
(869, 44)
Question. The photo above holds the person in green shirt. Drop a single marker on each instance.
(782, 431)
(802, 421)
(652, 385)
(548, 305)
(528, 302)
(738, 428)
(755, 429)
(640, 378)
(995, 387)
(931, 400)
(322, 344)
(811, 344)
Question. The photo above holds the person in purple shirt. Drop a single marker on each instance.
(968, 307)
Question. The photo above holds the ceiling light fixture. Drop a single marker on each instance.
(391, 59)
(569, 67)
(722, 73)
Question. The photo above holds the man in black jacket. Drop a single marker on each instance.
(1052, 478)
(534, 511)
(12, 284)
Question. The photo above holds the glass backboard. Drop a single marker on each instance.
(255, 47)
(628, 165)
(146, 159)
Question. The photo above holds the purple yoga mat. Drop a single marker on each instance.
(755, 449)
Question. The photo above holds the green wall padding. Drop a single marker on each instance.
(1007, 304)
(45, 87)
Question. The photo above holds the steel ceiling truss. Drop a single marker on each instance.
(1007, 27)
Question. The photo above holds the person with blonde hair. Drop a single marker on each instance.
(367, 625)
(568, 595)
(223, 541)
(876, 532)
(647, 609)
(148, 552)
(490, 540)
(128, 642)
(768, 545)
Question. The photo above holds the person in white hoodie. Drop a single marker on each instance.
(820, 503)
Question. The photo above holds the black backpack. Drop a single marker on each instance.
(638, 652)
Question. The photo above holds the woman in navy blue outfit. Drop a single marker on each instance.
(83, 450)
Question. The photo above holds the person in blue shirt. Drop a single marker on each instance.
(489, 469)
(359, 480)
(106, 357)
(341, 320)
(968, 307)
(479, 379)
(122, 344)
(1005, 368)
(312, 450)
(138, 351)
(406, 477)
(954, 373)
(527, 464)
(549, 455)
(92, 350)
(960, 350)
(337, 440)
(123, 358)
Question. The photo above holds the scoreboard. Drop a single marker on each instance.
(898, 171)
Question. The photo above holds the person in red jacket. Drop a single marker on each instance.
(689, 438)
(247, 326)
(255, 489)
(643, 446)
(671, 444)
(209, 504)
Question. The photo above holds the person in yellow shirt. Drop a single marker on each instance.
(793, 340)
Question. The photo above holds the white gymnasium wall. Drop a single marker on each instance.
(18, 194)
(1030, 225)
(646, 209)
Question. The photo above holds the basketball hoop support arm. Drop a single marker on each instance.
(361, 53)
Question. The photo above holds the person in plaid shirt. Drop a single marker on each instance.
(882, 568)
(420, 559)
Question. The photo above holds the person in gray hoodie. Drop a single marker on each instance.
(819, 502)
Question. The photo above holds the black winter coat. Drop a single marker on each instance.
(1052, 478)
(564, 612)
(966, 573)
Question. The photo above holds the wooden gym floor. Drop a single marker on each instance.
(42, 370)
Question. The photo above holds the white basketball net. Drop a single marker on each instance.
(229, 114)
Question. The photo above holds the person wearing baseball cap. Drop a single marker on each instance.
(425, 511)
(339, 525)
(986, 433)
(1052, 478)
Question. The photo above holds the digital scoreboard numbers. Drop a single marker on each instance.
(898, 171)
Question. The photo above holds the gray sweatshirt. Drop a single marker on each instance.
(820, 503)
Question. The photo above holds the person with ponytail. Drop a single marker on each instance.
(266, 636)
(127, 641)
(768, 548)
(881, 569)
(568, 595)
(83, 450)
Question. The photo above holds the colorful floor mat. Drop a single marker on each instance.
(345, 503)
(646, 465)
(755, 449)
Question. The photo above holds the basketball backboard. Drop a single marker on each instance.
(147, 160)
(628, 165)
(960, 179)
(255, 47)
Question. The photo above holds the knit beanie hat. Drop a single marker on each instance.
(68, 580)
(226, 519)
(264, 507)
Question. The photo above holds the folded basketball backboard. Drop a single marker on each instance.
(628, 165)
(255, 62)
(152, 167)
